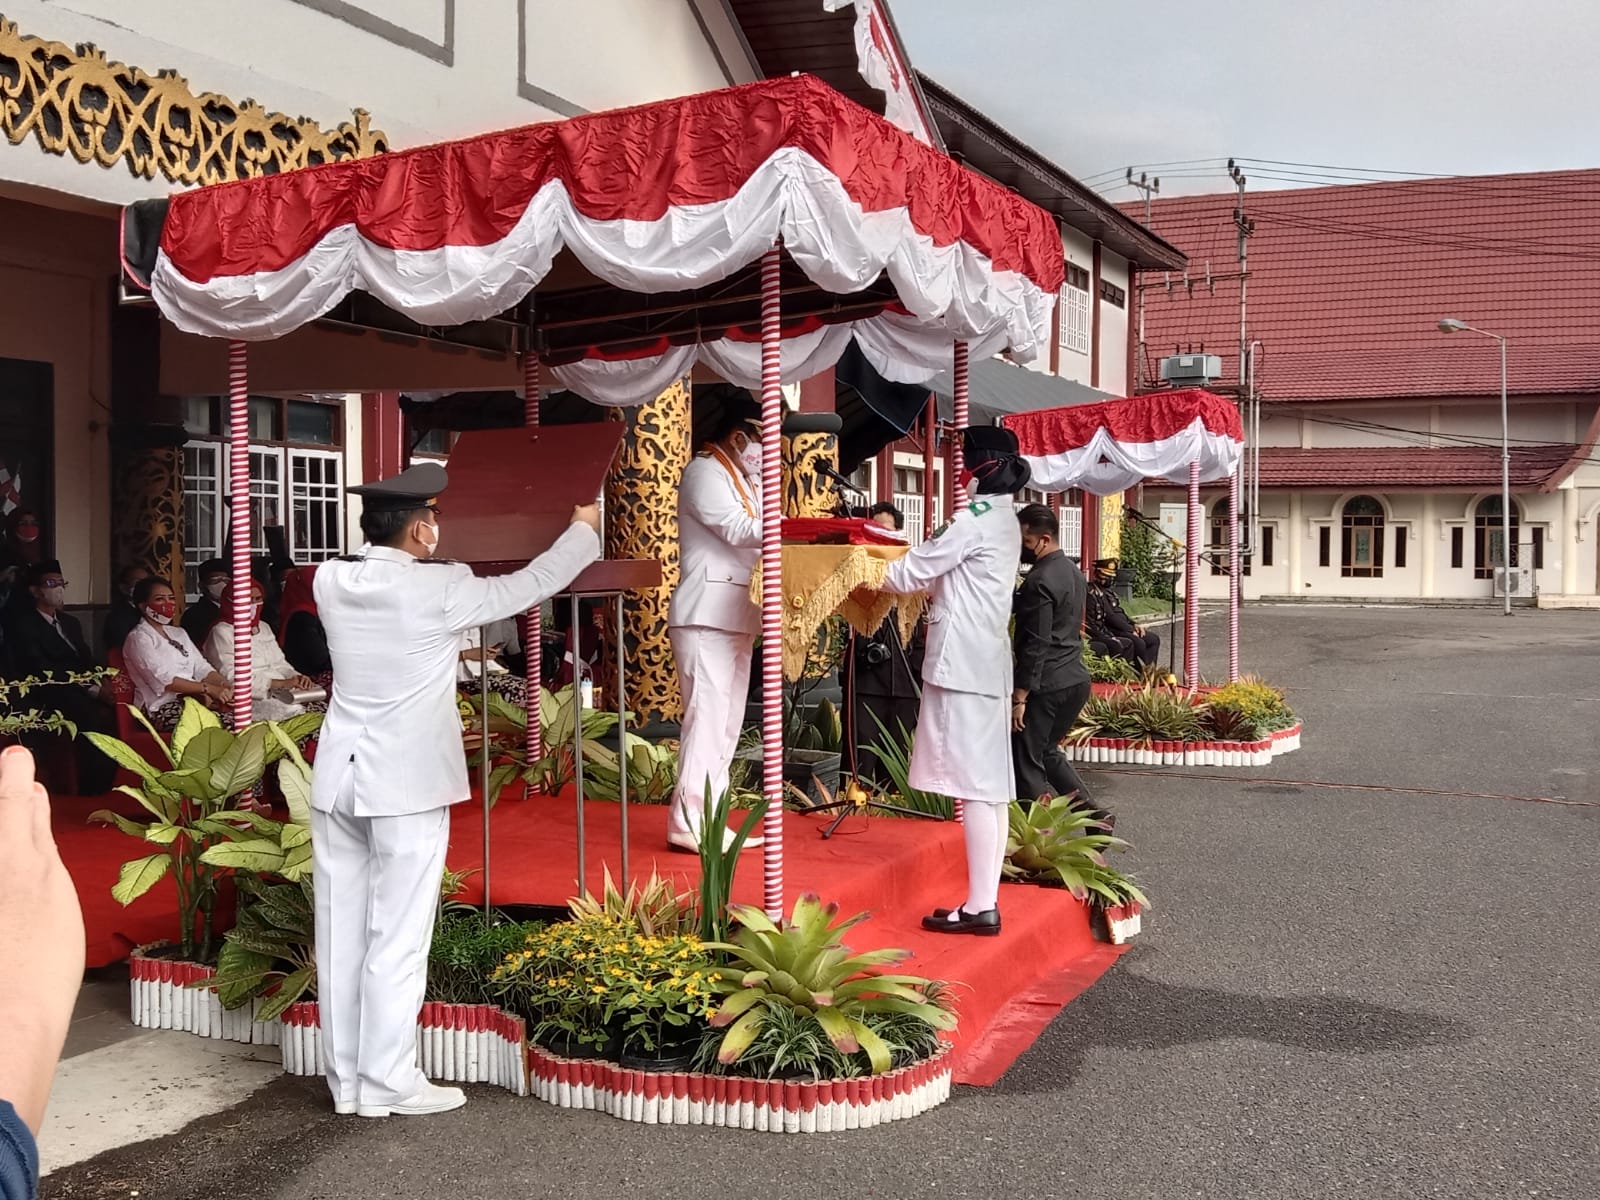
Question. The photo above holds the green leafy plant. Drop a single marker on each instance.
(190, 799)
(1153, 712)
(507, 739)
(465, 953)
(1109, 668)
(1055, 842)
(894, 756)
(652, 771)
(16, 718)
(1255, 701)
(271, 949)
(719, 857)
(656, 906)
(1230, 725)
(803, 967)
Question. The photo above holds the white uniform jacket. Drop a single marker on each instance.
(969, 569)
(394, 627)
(719, 546)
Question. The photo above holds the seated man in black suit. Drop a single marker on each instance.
(124, 615)
(200, 616)
(47, 642)
(1109, 626)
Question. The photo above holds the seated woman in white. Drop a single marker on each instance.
(269, 669)
(164, 664)
(473, 665)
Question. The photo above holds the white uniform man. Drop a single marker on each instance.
(389, 766)
(712, 621)
(963, 743)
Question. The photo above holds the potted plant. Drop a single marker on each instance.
(1060, 845)
(507, 739)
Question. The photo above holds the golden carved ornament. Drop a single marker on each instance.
(806, 493)
(75, 101)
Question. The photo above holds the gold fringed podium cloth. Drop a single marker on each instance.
(821, 580)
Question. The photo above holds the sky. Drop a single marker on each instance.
(1414, 86)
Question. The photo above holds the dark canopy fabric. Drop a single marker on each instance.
(997, 388)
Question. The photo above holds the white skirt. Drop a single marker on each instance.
(963, 746)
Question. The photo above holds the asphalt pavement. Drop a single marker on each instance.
(1372, 970)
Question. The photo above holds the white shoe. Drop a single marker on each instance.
(430, 1100)
(682, 839)
(344, 1108)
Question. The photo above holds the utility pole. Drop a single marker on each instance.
(1247, 400)
(1150, 188)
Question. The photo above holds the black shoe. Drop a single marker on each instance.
(984, 924)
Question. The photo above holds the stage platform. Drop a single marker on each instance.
(1009, 987)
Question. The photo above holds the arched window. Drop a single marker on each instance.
(1488, 537)
(1219, 540)
(1361, 539)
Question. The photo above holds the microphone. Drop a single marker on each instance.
(828, 472)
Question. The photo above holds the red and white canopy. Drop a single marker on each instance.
(666, 197)
(1111, 446)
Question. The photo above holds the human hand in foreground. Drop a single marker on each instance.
(41, 941)
(587, 514)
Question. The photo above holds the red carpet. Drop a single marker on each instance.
(1010, 987)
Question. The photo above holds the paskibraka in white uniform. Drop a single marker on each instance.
(389, 764)
(969, 569)
(713, 625)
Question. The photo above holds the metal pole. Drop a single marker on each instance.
(239, 529)
(771, 582)
(622, 739)
(483, 768)
(929, 446)
(577, 739)
(1505, 479)
(1191, 583)
(532, 623)
(1233, 575)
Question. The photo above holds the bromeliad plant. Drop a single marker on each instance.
(802, 972)
(656, 907)
(1052, 841)
(191, 801)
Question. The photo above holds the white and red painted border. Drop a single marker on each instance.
(724, 1101)
(456, 1043)
(1158, 753)
(161, 997)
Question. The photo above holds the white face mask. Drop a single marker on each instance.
(428, 535)
(55, 597)
(216, 588)
(750, 459)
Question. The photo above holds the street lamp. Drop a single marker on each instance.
(1456, 325)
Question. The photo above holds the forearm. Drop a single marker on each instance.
(479, 601)
(34, 1038)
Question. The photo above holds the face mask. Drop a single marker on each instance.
(1030, 555)
(162, 611)
(27, 533)
(215, 590)
(428, 535)
(750, 459)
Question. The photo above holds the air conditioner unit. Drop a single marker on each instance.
(1518, 579)
(1191, 368)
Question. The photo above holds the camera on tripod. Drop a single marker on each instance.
(875, 653)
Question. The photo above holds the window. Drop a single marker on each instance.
(266, 494)
(436, 443)
(1457, 541)
(908, 479)
(1361, 539)
(1488, 537)
(200, 416)
(1266, 532)
(1324, 546)
(1399, 547)
(1219, 540)
(312, 424)
(27, 445)
(1075, 320)
(316, 505)
(1112, 294)
(1538, 547)
(202, 509)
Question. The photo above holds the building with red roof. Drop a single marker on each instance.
(1380, 435)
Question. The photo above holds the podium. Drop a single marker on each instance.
(511, 495)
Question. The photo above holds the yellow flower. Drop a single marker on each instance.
(598, 989)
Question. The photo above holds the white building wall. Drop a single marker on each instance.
(1072, 363)
(1114, 327)
(426, 70)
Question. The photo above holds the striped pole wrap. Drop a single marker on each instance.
(960, 416)
(1191, 583)
(239, 526)
(958, 462)
(532, 623)
(772, 582)
(1233, 575)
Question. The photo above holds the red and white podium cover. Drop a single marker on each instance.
(1109, 447)
(665, 197)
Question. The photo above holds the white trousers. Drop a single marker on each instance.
(714, 676)
(377, 896)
